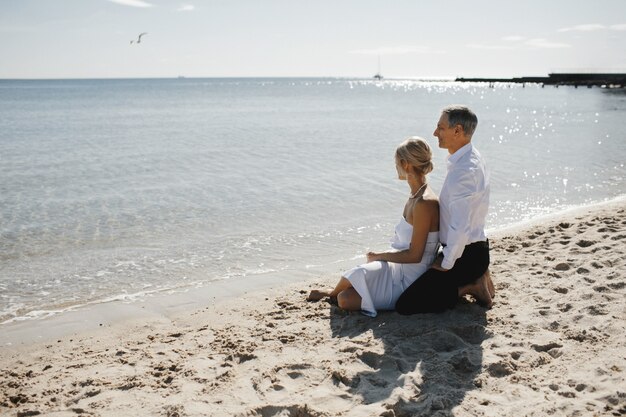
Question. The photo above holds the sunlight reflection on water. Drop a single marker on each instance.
(109, 187)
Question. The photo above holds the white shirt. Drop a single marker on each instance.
(463, 203)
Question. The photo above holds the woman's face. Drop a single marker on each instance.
(401, 172)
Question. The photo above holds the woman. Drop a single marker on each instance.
(377, 284)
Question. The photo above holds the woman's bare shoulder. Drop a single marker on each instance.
(430, 198)
(427, 203)
(427, 210)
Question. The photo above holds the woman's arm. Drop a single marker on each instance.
(422, 215)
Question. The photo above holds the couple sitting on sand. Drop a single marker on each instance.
(443, 243)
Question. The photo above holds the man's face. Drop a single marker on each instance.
(444, 132)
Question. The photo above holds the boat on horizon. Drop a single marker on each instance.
(378, 76)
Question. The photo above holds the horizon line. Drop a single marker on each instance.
(338, 77)
(443, 78)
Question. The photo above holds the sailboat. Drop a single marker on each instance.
(378, 75)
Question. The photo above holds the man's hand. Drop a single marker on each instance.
(372, 256)
(437, 264)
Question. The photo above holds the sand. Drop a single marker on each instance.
(554, 344)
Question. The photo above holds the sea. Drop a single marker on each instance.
(119, 189)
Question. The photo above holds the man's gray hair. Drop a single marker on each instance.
(461, 115)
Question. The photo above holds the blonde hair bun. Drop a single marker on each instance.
(417, 153)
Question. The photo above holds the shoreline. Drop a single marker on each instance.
(163, 305)
(574, 210)
(169, 303)
(551, 345)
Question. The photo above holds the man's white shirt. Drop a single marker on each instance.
(463, 203)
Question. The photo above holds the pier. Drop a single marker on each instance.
(607, 80)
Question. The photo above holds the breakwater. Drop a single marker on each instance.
(606, 80)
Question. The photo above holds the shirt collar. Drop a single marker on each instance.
(453, 159)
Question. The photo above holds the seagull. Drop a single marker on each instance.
(139, 38)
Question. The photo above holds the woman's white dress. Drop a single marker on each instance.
(380, 283)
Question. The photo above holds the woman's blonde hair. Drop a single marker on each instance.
(416, 152)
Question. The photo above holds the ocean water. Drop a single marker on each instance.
(117, 189)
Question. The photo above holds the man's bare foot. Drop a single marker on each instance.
(479, 290)
(316, 295)
(492, 289)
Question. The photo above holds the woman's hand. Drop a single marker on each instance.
(373, 256)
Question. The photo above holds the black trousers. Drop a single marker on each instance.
(436, 291)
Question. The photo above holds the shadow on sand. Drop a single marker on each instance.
(429, 363)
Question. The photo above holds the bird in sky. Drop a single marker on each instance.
(139, 38)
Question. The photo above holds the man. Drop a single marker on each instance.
(463, 204)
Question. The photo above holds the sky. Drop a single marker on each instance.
(309, 38)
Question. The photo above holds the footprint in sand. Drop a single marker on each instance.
(563, 308)
(242, 356)
(501, 369)
(617, 285)
(174, 410)
(286, 338)
(277, 315)
(473, 334)
(597, 310)
(580, 387)
(563, 266)
(286, 305)
(585, 243)
(165, 373)
(371, 359)
(340, 377)
(290, 380)
(567, 394)
(299, 410)
(445, 341)
(462, 363)
(553, 349)
(350, 349)
(581, 336)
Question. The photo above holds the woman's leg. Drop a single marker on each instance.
(343, 284)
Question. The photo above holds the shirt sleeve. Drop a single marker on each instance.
(461, 195)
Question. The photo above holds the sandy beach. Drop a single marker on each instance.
(554, 344)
